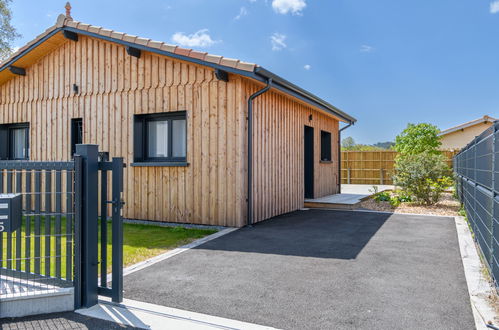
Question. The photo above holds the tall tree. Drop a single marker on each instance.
(348, 142)
(7, 32)
(418, 138)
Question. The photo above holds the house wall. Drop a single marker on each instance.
(459, 139)
(278, 154)
(114, 86)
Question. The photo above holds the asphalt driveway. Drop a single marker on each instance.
(321, 269)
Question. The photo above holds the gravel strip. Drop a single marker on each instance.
(448, 206)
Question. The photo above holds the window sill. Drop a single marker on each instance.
(160, 164)
(326, 161)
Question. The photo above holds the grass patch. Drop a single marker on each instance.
(140, 242)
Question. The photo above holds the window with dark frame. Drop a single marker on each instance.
(160, 137)
(76, 134)
(14, 143)
(326, 146)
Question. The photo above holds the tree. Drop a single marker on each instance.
(384, 145)
(348, 143)
(418, 138)
(7, 32)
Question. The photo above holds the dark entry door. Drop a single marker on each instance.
(309, 162)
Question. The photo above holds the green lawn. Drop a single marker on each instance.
(140, 242)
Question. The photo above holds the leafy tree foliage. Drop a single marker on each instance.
(7, 32)
(418, 138)
(348, 142)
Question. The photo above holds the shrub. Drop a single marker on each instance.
(424, 176)
(383, 196)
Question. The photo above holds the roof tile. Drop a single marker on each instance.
(154, 44)
(142, 41)
(182, 51)
(94, 29)
(129, 38)
(246, 66)
(105, 32)
(168, 48)
(198, 55)
(72, 24)
(83, 26)
(213, 58)
(117, 35)
(229, 62)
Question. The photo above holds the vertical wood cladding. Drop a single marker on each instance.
(278, 153)
(113, 86)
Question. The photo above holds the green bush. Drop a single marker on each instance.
(424, 176)
(383, 196)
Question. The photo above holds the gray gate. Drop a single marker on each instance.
(56, 246)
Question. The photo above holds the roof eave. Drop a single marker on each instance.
(258, 73)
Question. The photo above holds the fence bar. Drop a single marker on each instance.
(9, 235)
(58, 229)
(1, 235)
(103, 227)
(117, 177)
(47, 219)
(38, 206)
(18, 230)
(69, 225)
(28, 208)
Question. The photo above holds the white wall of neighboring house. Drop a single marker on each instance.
(458, 139)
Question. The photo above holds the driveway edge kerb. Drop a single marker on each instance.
(150, 316)
(478, 286)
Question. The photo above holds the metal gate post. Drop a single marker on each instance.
(89, 224)
(117, 175)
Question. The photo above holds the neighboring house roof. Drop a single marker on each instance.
(484, 119)
(230, 65)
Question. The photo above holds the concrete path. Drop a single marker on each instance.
(321, 269)
(67, 320)
(363, 189)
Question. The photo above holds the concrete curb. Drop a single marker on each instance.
(149, 316)
(478, 286)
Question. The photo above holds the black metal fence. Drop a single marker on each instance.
(477, 175)
(39, 255)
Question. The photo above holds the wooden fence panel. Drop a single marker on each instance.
(372, 167)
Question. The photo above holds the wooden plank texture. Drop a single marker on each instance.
(113, 87)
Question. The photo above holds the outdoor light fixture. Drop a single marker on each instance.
(75, 88)
(310, 118)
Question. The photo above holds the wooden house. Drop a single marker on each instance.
(179, 117)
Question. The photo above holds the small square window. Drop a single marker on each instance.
(160, 137)
(14, 143)
(76, 134)
(326, 146)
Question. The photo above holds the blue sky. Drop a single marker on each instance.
(385, 62)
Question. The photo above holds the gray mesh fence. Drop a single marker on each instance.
(477, 174)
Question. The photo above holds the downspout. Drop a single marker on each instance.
(339, 154)
(250, 149)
